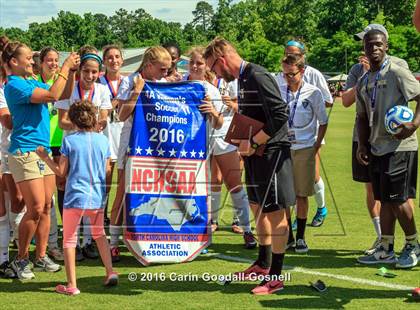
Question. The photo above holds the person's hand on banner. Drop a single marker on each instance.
(244, 147)
(207, 107)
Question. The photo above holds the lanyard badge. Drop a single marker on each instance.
(291, 133)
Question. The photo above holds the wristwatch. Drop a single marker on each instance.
(254, 144)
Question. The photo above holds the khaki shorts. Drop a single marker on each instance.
(304, 171)
(28, 166)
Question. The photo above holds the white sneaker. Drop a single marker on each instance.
(46, 264)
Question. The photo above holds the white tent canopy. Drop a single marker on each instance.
(338, 78)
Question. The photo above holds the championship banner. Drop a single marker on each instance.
(166, 175)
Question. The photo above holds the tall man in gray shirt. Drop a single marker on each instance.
(392, 158)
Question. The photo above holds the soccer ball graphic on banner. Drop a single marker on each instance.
(396, 116)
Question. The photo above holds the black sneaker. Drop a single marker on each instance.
(79, 254)
(89, 251)
(290, 244)
(22, 269)
(6, 271)
(301, 246)
(249, 240)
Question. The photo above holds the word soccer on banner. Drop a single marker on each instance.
(167, 177)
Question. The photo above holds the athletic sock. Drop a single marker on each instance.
(14, 220)
(319, 189)
(4, 238)
(387, 241)
(412, 239)
(276, 263)
(241, 206)
(291, 237)
(377, 225)
(215, 205)
(53, 236)
(115, 232)
(264, 256)
(301, 225)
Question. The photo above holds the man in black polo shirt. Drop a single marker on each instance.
(269, 178)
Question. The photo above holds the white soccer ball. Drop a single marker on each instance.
(395, 116)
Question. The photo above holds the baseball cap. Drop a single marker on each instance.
(359, 36)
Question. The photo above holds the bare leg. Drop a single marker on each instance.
(70, 263)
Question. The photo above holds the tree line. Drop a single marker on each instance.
(259, 29)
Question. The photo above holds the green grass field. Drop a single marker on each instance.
(332, 258)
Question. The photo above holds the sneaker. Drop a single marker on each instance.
(408, 257)
(290, 244)
(250, 242)
(111, 279)
(22, 269)
(252, 271)
(294, 225)
(6, 271)
(214, 226)
(373, 247)
(319, 217)
(379, 256)
(89, 251)
(79, 254)
(115, 254)
(301, 246)
(266, 288)
(236, 228)
(46, 264)
(71, 291)
(56, 254)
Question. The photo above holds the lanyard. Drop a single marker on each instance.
(373, 96)
(81, 92)
(111, 87)
(293, 110)
(241, 71)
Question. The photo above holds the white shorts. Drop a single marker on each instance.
(113, 133)
(124, 141)
(5, 164)
(218, 146)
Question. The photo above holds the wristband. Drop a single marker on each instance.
(254, 144)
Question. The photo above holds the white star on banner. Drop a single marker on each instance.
(193, 153)
(138, 150)
(201, 154)
(183, 153)
(161, 152)
(172, 152)
(149, 151)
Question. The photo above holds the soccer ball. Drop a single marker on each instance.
(396, 116)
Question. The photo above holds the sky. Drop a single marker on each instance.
(20, 13)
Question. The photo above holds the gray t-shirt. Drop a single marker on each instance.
(396, 86)
(356, 72)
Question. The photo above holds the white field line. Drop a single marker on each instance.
(323, 274)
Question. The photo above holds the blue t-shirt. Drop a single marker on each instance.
(31, 121)
(87, 153)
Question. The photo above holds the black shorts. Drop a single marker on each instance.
(55, 150)
(360, 172)
(277, 193)
(394, 176)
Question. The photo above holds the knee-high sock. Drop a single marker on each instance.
(14, 221)
(87, 236)
(53, 237)
(320, 193)
(4, 238)
(215, 205)
(241, 206)
(115, 232)
(377, 225)
(60, 201)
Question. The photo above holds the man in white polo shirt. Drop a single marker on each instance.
(306, 111)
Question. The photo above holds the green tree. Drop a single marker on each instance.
(202, 16)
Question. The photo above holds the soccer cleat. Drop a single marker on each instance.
(89, 251)
(301, 246)
(79, 254)
(252, 271)
(56, 254)
(6, 271)
(115, 254)
(46, 264)
(266, 288)
(319, 217)
(379, 256)
(250, 242)
(214, 226)
(408, 257)
(236, 228)
(290, 244)
(111, 279)
(22, 269)
(373, 247)
(71, 291)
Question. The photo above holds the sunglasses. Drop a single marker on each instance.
(291, 74)
(214, 64)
